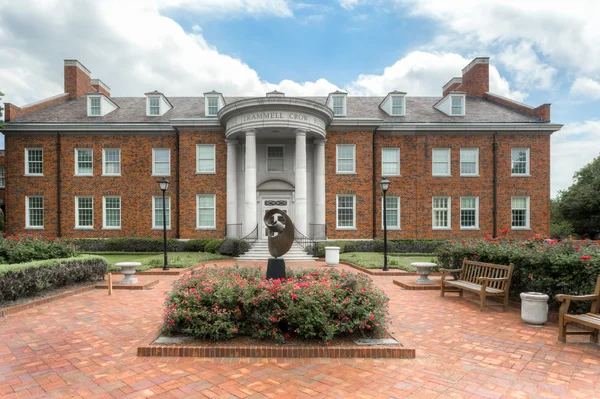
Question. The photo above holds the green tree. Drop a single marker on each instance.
(579, 205)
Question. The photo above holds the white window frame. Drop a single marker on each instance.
(2, 177)
(476, 227)
(397, 150)
(527, 165)
(527, 214)
(99, 106)
(198, 227)
(104, 226)
(27, 173)
(462, 105)
(77, 173)
(337, 220)
(169, 212)
(403, 106)
(448, 150)
(398, 227)
(283, 158)
(343, 98)
(77, 225)
(104, 173)
(337, 159)
(27, 209)
(154, 173)
(151, 107)
(449, 209)
(208, 106)
(476, 174)
(214, 159)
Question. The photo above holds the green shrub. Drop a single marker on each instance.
(220, 303)
(394, 246)
(561, 230)
(28, 247)
(233, 247)
(546, 266)
(195, 245)
(26, 279)
(128, 244)
(2, 221)
(212, 246)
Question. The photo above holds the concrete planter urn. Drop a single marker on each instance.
(128, 270)
(332, 256)
(534, 308)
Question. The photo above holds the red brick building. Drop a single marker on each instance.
(465, 164)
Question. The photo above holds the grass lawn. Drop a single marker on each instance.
(151, 260)
(374, 260)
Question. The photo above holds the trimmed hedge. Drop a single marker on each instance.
(394, 246)
(29, 247)
(550, 267)
(27, 279)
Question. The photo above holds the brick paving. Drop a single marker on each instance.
(85, 345)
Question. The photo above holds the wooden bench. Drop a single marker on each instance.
(486, 279)
(591, 319)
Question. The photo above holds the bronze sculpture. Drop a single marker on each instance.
(281, 238)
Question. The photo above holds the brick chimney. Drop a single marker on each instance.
(100, 86)
(452, 85)
(78, 80)
(476, 77)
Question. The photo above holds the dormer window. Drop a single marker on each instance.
(457, 105)
(339, 106)
(213, 106)
(154, 104)
(397, 105)
(394, 104)
(95, 106)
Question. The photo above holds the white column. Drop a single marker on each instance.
(232, 217)
(250, 183)
(319, 173)
(300, 209)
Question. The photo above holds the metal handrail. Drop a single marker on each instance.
(250, 238)
(234, 230)
(307, 244)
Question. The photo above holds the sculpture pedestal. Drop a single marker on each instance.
(276, 268)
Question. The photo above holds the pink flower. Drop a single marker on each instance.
(577, 248)
(273, 320)
(585, 257)
(475, 256)
(294, 296)
(234, 330)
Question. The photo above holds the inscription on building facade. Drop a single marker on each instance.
(279, 116)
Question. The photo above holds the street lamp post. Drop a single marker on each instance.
(164, 185)
(385, 184)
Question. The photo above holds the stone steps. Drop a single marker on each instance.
(260, 252)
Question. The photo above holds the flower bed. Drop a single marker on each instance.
(547, 266)
(221, 303)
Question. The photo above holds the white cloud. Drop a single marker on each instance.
(528, 70)
(574, 146)
(586, 88)
(423, 74)
(278, 8)
(349, 4)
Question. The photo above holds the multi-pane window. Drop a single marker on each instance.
(112, 212)
(84, 162)
(213, 106)
(111, 161)
(205, 158)
(520, 212)
(206, 211)
(339, 108)
(161, 161)
(2, 177)
(440, 161)
(397, 105)
(469, 212)
(392, 212)
(275, 158)
(441, 212)
(345, 158)
(34, 161)
(34, 214)
(154, 106)
(84, 212)
(346, 212)
(95, 106)
(158, 214)
(469, 161)
(390, 161)
(520, 161)
(457, 105)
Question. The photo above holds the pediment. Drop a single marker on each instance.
(275, 185)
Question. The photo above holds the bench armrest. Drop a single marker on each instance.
(591, 297)
(492, 279)
(450, 270)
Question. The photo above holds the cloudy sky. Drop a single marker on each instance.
(541, 51)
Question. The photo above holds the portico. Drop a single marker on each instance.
(280, 143)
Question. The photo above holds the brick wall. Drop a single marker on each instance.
(77, 82)
(3, 164)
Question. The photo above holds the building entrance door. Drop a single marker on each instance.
(271, 203)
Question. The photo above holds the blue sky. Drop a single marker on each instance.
(540, 51)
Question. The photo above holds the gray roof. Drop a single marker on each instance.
(133, 110)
